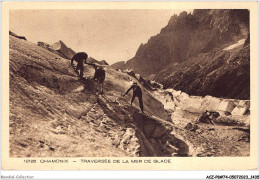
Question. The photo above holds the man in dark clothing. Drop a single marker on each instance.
(137, 91)
(79, 58)
(100, 74)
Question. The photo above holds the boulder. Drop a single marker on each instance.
(15, 35)
(43, 44)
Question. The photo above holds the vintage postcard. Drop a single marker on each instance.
(129, 86)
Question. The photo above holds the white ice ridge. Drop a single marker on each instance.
(240, 42)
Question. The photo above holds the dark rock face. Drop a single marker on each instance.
(119, 65)
(224, 74)
(15, 35)
(187, 35)
(172, 56)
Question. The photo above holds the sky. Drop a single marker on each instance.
(111, 35)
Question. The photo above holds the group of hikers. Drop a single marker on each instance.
(100, 75)
(81, 58)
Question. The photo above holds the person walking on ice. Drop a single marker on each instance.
(137, 91)
(79, 58)
(100, 75)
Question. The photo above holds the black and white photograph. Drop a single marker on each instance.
(129, 83)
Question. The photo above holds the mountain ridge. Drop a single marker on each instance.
(188, 36)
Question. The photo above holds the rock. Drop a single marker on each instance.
(191, 127)
(15, 35)
(188, 126)
(43, 44)
(131, 73)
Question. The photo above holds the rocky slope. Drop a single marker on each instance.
(190, 47)
(223, 73)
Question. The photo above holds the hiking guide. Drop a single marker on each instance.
(79, 58)
(137, 91)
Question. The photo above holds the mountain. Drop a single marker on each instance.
(58, 48)
(63, 49)
(119, 65)
(220, 73)
(92, 60)
(202, 34)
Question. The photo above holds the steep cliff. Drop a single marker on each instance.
(223, 73)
